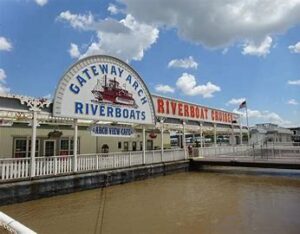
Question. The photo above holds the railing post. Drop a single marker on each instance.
(152, 155)
(97, 161)
(55, 165)
(129, 159)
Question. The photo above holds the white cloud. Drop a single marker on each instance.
(294, 82)
(292, 102)
(2, 75)
(295, 48)
(74, 51)
(218, 23)
(188, 85)
(3, 88)
(225, 50)
(84, 22)
(127, 39)
(256, 116)
(48, 96)
(5, 44)
(235, 101)
(260, 49)
(164, 88)
(184, 63)
(41, 2)
(113, 9)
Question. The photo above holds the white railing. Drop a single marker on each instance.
(14, 168)
(11, 225)
(269, 151)
(19, 168)
(220, 150)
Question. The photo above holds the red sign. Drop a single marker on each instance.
(165, 107)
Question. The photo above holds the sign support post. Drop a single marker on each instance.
(75, 145)
(33, 143)
(144, 145)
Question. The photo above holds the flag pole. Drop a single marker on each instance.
(248, 132)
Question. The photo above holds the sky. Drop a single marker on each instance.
(216, 53)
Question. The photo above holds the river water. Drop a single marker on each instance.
(216, 201)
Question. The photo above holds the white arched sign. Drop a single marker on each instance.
(105, 88)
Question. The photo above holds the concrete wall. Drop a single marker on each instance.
(39, 188)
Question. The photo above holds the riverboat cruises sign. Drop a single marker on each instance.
(103, 88)
(172, 108)
(112, 131)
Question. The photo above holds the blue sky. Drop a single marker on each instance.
(213, 53)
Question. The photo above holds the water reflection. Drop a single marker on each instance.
(195, 202)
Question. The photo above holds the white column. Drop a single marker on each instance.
(241, 134)
(144, 145)
(215, 135)
(232, 135)
(162, 139)
(33, 140)
(75, 144)
(201, 139)
(183, 139)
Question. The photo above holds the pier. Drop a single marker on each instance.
(274, 155)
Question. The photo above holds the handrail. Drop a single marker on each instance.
(19, 168)
(14, 225)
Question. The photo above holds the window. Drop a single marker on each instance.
(66, 146)
(141, 145)
(49, 147)
(119, 145)
(105, 148)
(126, 146)
(134, 146)
(22, 147)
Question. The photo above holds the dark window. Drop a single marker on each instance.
(119, 145)
(134, 146)
(125, 146)
(66, 146)
(22, 147)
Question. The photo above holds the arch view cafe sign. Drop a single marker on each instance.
(103, 88)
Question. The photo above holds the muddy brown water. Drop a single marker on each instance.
(216, 201)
